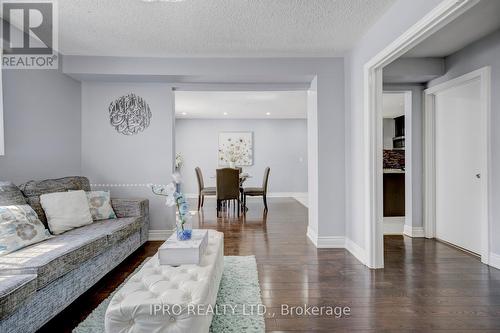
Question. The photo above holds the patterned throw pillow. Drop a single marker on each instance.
(20, 227)
(100, 205)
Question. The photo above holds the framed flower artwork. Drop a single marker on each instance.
(235, 148)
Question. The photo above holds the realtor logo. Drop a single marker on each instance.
(29, 32)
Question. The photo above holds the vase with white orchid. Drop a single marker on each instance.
(233, 155)
(174, 197)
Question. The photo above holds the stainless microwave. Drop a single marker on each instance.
(398, 142)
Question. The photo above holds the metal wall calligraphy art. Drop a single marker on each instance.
(129, 114)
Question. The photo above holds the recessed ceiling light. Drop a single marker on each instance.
(268, 113)
(225, 113)
(184, 113)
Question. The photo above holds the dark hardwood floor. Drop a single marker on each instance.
(425, 286)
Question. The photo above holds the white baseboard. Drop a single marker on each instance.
(393, 225)
(494, 260)
(158, 235)
(355, 250)
(269, 195)
(328, 242)
(303, 199)
(286, 194)
(331, 242)
(415, 232)
(312, 235)
(337, 242)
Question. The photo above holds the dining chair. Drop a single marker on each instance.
(202, 190)
(258, 191)
(227, 187)
(240, 171)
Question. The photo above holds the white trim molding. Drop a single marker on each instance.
(159, 235)
(355, 250)
(393, 225)
(337, 242)
(286, 194)
(269, 195)
(312, 235)
(442, 14)
(326, 242)
(2, 132)
(494, 260)
(484, 77)
(331, 242)
(414, 232)
(303, 200)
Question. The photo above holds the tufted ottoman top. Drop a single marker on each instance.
(162, 298)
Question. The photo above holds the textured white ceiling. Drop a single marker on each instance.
(393, 105)
(253, 28)
(241, 104)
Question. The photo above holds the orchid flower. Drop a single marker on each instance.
(174, 198)
(177, 177)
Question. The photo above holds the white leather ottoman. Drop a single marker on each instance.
(165, 298)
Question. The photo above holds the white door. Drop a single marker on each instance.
(459, 156)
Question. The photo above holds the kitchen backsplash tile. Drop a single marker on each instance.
(394, 159)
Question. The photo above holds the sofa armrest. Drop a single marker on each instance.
(130, 207)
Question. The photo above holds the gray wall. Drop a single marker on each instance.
(389, 130)
(122, 162)
(280, 144)
(485, 52)
(42, 125)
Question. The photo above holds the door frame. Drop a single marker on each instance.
(484, 77)
(2, 132)
(437, 18)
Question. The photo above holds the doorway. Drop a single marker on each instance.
(309, 195)
(438, 18)
(397, 161)
(217, 128)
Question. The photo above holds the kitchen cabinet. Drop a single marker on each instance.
(394, 193)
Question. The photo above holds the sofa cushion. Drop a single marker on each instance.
(14, 290)
(114, 229)
(53, 258)
(33, 189)
(10, 195)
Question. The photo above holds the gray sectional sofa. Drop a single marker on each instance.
(39, 281)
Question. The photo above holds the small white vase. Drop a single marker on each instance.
(232, 165)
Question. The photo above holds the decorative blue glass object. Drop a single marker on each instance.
(184, 229)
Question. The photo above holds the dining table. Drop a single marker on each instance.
(243, 177)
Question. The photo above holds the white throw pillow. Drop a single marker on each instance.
(66, 210)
